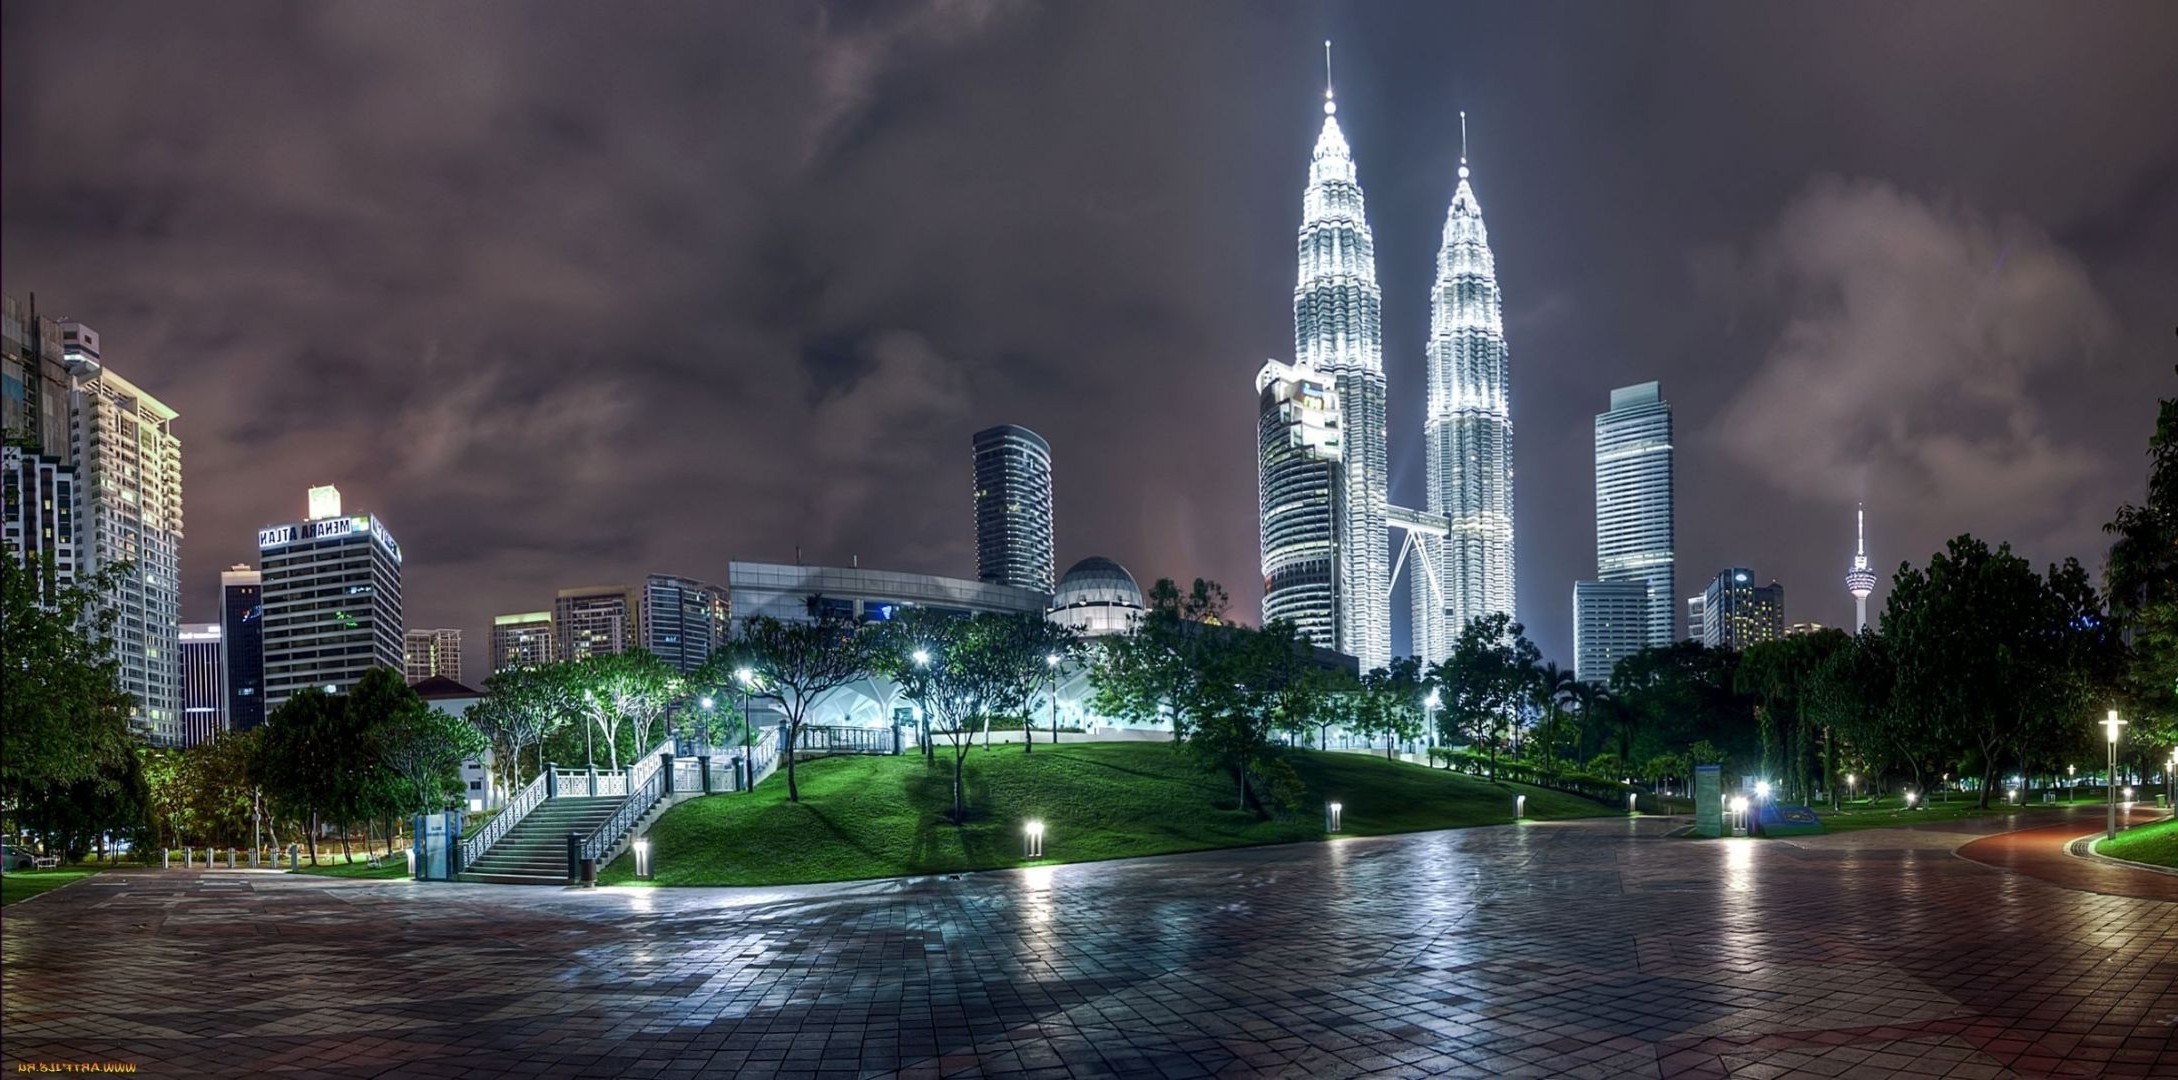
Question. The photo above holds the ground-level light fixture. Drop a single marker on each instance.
(1032, 840)
(1911, 798)
(1632, 801)
(1331, 812)
(1520, 807)
(642, 857)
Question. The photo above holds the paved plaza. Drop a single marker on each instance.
(1596, 948)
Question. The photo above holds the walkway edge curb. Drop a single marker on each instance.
(2084, 848)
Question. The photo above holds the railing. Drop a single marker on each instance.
(497, 828)
(647, 764)
(725, 779)
(687, 775)
(764, 757)
(847, 740)
(631, 810)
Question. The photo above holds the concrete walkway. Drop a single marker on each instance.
(1592, 948)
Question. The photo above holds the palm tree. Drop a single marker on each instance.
(1552, 687)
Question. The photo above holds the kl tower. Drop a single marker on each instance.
(1860, 580)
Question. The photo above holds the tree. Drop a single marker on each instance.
(1257, 682)
(1488, 675)
(1553, 688)
(1779, 674)
(299, 758)
(522, 707)
(64, 719)
(425, 748)
(631, 688)
(1992, 656)
(1668, 696)
(2141, 578)
(1157, 670)
(972, 667)
(1391, 703)
(796, 664)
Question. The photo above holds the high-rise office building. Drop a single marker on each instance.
(1737, 613)
(1634, 501)
(1338, 331)
(1014, 543)
(203, 698)
(1297, 473)
(1467, 436)
(521, 640)
(1610, 623)
(35, 381)
(332, 599)
(428, 653)
(129, 510)
(242, 634)
(596, 620)
(684, 621)
(1696, 615)
(38, 515)
(1860, 578)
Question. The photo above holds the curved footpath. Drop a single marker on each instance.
(1580, 948)
(2041, 853)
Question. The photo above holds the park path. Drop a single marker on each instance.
(1587, 948)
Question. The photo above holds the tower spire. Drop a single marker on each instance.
(1329, 107)
(1463, 144)
(1860, 531)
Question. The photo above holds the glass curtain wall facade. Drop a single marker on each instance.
(1014, 543)
(521, 640)
(1338, 329)
(203, 694)
(1297, 469)
(1634, 501)
(684, 621)
(242, 628)
(1610, 623)
(1467, 433)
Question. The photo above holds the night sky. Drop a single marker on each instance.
(572, 293)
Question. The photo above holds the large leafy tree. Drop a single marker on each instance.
(1486, 679)
(521, 708)
(795, 665)
(967, 669)
(1159, 670)
(1391, 703)
(301, 756)
(1667, 697)
(620, 693)
(63, 714)
(2142, 581)
(1779, 675)
(1257, 682)
(1992, 657)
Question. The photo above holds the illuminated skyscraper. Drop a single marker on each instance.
(595, 620)
(242, 648)
(1297, 472)
(203, 695)
(1467, 435)
(1634, 501)
(1014, 543)
(521, 640)
(332, 599)
(1861, 579)
(684, 621)
(431, 654)
(1338, 330)
(1737, 613)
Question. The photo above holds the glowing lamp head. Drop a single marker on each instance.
(2111, 725)
(1910, 798)
(1762, 789)
(707, 702)
(1336, 807)
(744, 676)
(922, 658)
(1051, 659)
(1739, 804)
(1432, 700)
(1034, 828)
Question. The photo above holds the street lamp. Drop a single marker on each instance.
(747, 678)
(2170, 785)
(2110, 728)
(1852, 786)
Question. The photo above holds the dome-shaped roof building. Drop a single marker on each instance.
(1097, 596)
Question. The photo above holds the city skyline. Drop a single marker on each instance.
(1622, 259)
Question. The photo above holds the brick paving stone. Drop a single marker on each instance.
(1572, 949)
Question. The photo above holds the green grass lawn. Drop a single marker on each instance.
(395, 867)
(866, 817)
(2156, 844)
(1880, 813)
(17, 885)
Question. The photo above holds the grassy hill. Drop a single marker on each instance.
(2155, 844)
(866, 817)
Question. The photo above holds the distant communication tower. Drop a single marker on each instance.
(1860, 580)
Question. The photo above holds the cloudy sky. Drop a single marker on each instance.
(573, 292)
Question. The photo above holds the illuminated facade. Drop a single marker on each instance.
(1467, 436)
(203, 695)
(332, 599)
(39, 522)
(431, 653)
(1737, 613)
(38, 472)
(1013, 508)
(1610, 623)
(521, 640)
(1298, 485)
(1097, 597)
(129, 510)
(596, 620)
(1634, 501)
(1338, 330)
(242, 655)
(684, 621)
(1860, 580)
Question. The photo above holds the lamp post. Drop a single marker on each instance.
(2170, 785)
(922, 707)
(1429, 709)
(2110, 728)
(1852, 786)
(587, 760)
(1051, 661)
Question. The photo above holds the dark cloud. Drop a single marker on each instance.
(574, 292)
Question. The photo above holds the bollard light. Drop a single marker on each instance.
(1910, 797)
(2128, 793)
(642, 857)
(411, 853)
(1032, 840)
(2012, 795)
(1331, 812)
(1632, 801)
(1520, 807)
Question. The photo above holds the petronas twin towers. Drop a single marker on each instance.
(1327, 517)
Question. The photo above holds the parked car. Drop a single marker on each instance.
(14, 858)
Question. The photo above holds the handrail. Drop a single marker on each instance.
(517, 808)
(648, 763)
(631, 810)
